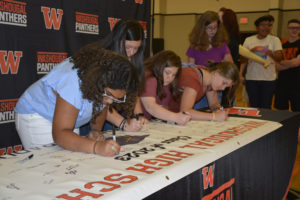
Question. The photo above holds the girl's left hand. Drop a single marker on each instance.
(143, 120)
(221, 115)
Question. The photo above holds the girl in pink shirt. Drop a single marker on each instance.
(161, 88)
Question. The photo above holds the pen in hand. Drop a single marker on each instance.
(114, 133)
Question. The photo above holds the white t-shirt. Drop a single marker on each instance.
(256, 71)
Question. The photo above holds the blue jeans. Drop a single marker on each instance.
(203, 103)
(85, 129)
(260, 93)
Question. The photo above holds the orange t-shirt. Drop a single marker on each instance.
(190, 78)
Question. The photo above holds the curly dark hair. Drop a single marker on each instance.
(198, 37)
(268, 18)
(100, 68)
(156, 65)
(230, 71)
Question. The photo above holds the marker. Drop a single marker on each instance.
(114, 133)
(25, 159)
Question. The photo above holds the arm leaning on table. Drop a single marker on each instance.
(161, 89)
(131, 124)
(187, 103)
(64, 119)
(160, 112)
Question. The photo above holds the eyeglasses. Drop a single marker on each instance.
(211, 28)
(115, 100)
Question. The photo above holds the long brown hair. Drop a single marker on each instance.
(198, 37)
(230, 22)
(156, 65)
(230, 71)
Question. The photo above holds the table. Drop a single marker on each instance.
(203, 160)
(258, 170)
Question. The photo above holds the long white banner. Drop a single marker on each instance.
(154, 158)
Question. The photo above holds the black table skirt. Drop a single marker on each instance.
(260, 170)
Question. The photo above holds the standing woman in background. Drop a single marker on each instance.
(161, 88)
(208, 41)
(208, 44)
(229, 20)
(126, 38)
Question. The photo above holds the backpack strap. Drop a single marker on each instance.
(200, 75)
(199, 72)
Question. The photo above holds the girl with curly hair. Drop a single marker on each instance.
(126, 38)
(161, 87)
(78, 90)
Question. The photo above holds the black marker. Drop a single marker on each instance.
(137, 117)
(114, 132)
(25, 159)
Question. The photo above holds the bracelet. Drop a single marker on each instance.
(139, 115)
(213, 116)
(122, 124)
(94, 148)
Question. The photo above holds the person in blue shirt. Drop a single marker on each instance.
(82, 88)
